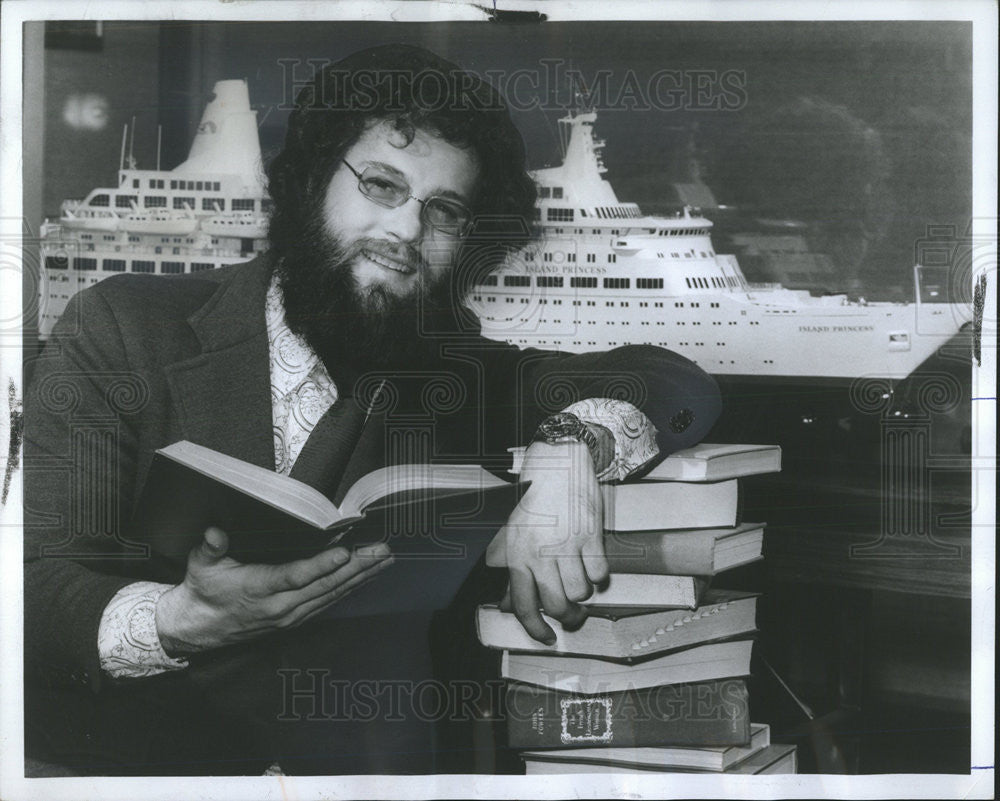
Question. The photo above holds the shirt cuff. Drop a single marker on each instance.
(127, 640)
(634, 434)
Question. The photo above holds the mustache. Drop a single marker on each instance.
(393, 251)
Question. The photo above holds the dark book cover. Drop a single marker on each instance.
(696, 714)
(436, 535)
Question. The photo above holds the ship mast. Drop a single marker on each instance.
(131, 145)
(121, 158)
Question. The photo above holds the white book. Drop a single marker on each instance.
(705, 462)
(715, 462)
(647, 589)
(656, 505)
(708, 758)
(589, 676)
(772, 759)
(626, 633)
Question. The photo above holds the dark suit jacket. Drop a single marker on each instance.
(138, 362)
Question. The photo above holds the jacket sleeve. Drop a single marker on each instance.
(678, 397)
(79, 456)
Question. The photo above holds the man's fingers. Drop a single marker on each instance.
(595, 563)
(553, 595)
(315, 606)
(575, 584)
(361, 561)
(211, 549)
(525, 601)
(302, 573)
(506, 605)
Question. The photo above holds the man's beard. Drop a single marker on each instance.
(355, 329)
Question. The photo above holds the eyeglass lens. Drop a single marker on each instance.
(441, 214)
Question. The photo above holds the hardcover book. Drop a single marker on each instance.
(771, 759)
(437, 520)
(587, 675)
(691, 552)
(628, 633)
(709, 713)
(656, 505)
(714, 462)
(646, 590)
(704, 462)
(706, 758)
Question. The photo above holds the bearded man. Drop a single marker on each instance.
(387, 208)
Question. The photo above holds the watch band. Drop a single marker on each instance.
(564, 427)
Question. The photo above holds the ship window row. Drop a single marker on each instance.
(718, 283)
(119, 265)
(577, 281)
(550, 191)
(559, 215)
(616, 212)
(571, 257)
(688, 255)
(211, 186)
(160, 202)
(682, 231)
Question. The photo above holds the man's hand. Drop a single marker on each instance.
(223, 602)
(553, 541)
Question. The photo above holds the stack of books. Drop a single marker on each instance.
(654, 679)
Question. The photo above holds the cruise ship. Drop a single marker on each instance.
(209, 211)
(603, 274)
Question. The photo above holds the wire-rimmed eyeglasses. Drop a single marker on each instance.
(440, 213)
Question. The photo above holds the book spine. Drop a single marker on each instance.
(644, 506)
(708, 713)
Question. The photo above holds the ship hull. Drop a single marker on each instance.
(732, 336)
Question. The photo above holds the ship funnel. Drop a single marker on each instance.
(227, 141)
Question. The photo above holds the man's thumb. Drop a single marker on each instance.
(215, 544)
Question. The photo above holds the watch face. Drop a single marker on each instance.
(560, 425)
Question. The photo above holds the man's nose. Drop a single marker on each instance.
(404, 222)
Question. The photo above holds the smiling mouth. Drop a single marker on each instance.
(401, 267)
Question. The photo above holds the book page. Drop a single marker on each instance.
(390, 480)
(282, 492)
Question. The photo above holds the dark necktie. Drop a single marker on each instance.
(325, 455)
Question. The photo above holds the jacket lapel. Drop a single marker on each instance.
(223, 395)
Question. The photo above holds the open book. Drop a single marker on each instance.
(421, 509)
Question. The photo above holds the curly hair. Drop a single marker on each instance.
(413, 89)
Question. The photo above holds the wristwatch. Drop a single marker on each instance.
(567, 427)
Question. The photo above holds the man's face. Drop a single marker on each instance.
(396, 250)
(361, 280)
